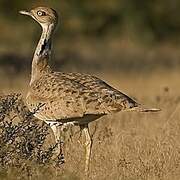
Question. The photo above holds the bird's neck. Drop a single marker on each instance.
(42, 55)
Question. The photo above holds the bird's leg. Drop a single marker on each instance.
(88, 145)
(61, 144)
(59, 140)
(56, 133)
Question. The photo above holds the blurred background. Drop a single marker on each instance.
(117, 40)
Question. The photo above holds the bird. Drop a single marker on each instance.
(69, 97)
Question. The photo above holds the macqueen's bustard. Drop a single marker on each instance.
(69, 97)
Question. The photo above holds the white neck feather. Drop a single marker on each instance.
(42, 53)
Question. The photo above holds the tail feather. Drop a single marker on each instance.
(143, 109)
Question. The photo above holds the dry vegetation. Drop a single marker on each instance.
(126, 146)
(23, 141)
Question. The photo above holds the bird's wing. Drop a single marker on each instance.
(68, 95)
(109, 98)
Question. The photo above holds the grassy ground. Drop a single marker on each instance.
(126, 145)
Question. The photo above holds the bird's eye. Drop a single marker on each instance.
(41, 13)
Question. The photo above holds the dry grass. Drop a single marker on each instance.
(126, 146)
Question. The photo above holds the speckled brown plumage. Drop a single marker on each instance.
(72, 95)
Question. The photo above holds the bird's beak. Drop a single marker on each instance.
(25, 13)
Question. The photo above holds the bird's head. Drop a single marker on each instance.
(45, 16)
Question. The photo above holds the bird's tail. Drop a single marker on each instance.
(144, 109)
